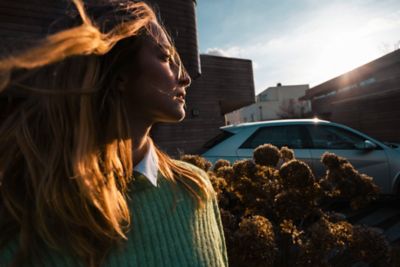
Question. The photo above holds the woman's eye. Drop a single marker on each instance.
(166, 57)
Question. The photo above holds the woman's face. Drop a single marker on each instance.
(153, 88)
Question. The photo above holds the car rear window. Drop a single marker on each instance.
(222, 136)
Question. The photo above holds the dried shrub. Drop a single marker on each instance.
(243, 168)
(267, 155)
(231, 224)
(255, 243)
(296, 175)
(225, 172)
(291, 233)
(286, 153)
(276, 216)
(197, 161)
(369, 245)
(221, 163)
(219, 184)
(330, 235)
(291, 204)
(395, 255)
(343, 181)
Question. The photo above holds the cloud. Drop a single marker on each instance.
(377, 25)
(233, 51)
(217, 52)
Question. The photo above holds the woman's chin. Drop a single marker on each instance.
(180, 117)
(174, 117)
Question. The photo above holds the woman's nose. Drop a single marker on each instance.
(184, 79)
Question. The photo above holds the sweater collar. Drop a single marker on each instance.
(148, 166)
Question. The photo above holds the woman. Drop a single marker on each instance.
(81, 182)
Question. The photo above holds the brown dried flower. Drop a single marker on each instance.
(267, 155)
(225, 172)
(219, 184)
(291, 204)
(332, 161)
(245, 167)
(298, 231)
(290, 231)
(286, 153)
(296, 174)
(198, 161)
(368, 244)
(221, 163)
(342, 180)
(255, 243)
(327, 235)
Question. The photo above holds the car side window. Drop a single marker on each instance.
(279, 136)
(329, 137)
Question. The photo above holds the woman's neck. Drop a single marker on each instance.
(140, 142)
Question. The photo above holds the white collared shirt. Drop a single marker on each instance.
(148, 166)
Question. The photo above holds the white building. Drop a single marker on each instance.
(279, 102)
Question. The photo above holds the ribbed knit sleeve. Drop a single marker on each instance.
(167, 229)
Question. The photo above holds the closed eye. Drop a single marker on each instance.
(166, 52)
(167, 57)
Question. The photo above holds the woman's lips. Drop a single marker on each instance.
(180, 99)
(180, 96)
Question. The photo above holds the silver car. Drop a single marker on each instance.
(310, 138)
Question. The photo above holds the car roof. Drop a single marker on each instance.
(241, 126)
(236, 127)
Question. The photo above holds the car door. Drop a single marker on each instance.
(342, 142)
(292, 136)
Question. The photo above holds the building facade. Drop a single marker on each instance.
(366, 98)
(278, 102)
(219, 85)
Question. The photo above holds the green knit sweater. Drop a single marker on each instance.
(167, 230)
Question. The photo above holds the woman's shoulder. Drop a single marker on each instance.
(191, 167)
(198, 171)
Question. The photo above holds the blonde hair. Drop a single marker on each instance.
(65, 151)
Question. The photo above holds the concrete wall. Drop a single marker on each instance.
(273, 103)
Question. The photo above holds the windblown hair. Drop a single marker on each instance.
(66, 151)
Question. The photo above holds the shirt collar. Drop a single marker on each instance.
(148, 166)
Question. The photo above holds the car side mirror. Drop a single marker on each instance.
(366, 145)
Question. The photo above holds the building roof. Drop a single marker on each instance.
(353, 76)
(284, 87)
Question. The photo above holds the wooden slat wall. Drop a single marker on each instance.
(24, 22)
(378, 117)
(225, 85)
(179, 17)
(224, 82)
(385, 65)
(373, 109)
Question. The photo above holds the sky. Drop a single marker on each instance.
(299, 41)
